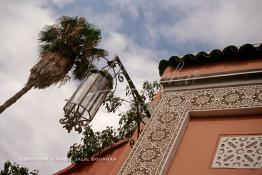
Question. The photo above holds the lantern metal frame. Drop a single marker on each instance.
(75, 110)
(77, 122)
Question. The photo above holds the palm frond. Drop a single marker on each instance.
(72, 39)
(81, 69)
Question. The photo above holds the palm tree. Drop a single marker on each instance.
(70, 44)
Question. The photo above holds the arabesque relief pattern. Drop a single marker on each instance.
(242, 151)
(161, 132)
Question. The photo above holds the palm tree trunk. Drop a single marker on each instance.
(13, 99)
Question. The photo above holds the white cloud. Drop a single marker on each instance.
(218, 23)
(138, 61)
(127, 6)
(30, 127)
(116, 43)
(35, 130)
(46, 3)
(107, 21)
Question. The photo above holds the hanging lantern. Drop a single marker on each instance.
(86, 100)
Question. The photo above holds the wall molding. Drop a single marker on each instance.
(156, 146)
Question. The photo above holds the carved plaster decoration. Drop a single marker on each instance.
(159, 139)
(244, 151)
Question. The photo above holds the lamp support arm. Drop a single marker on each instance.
(134, 91)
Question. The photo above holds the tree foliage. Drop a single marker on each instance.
(74, 41)
(94, 142)
(70, 45)
(15, 169)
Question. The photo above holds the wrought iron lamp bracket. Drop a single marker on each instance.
(119, 73)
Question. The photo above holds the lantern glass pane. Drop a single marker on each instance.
(86, 115)
(69, 106)
(83, 89)
(96, 95)
(97, 104)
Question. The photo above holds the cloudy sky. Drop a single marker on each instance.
(140, 32)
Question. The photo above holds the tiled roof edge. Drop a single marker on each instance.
(228, 53)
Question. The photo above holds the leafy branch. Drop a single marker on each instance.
(15, 169)
(94, 142)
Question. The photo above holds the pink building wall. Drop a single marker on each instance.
(198, 145)
(197, 148)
